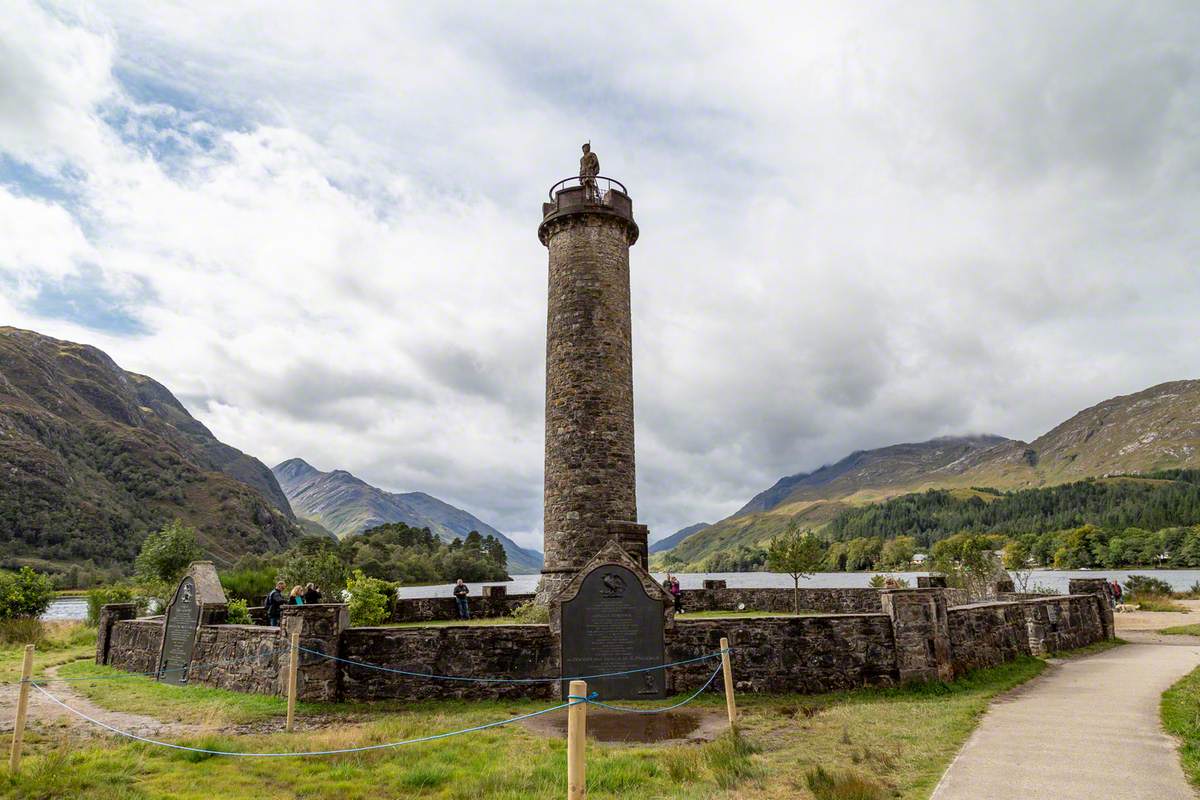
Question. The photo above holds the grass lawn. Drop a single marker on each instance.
(1178, 709)
(1089, 649)
(1182, 630)
(894, 742)
(687, 615)
(1158, 604)
(454, 623)
(61, 643)
(459, 623)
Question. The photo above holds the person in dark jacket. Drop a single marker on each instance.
(460, 595)
(677, 595)
(311, 594)
(274, 604)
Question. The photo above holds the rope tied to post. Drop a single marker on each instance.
(306, 753)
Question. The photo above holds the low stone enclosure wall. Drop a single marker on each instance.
(911, 634)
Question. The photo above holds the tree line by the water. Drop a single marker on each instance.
(1129, 521)
(1150, 502)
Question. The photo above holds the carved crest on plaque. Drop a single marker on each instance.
(614, 584)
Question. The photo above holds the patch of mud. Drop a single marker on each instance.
(604, 725)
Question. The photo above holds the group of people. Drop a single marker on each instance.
(670, 585)
(299, 596)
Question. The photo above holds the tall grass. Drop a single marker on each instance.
(847, 785)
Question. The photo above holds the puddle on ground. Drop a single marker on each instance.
(613, 726)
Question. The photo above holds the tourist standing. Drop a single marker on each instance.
(460, 597)
(297, 596)
(311, 594)
(677, 595)
(1116, 594)
(274, 604)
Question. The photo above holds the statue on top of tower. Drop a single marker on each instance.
(589, 168)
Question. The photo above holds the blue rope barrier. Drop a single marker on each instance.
(471, 679)
(342, 751)
(628, 710)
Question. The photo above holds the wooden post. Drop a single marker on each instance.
(14, 758)
(730, 703)
(576, 741)
(293, 663)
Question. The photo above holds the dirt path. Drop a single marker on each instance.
(1087, 728)
(45, 715)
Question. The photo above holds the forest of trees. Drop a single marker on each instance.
(396, 552)
(1131, 521)
(1151, 502)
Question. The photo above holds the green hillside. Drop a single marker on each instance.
(1155, 429)
(94, 458)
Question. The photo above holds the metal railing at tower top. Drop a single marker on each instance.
(603, 185)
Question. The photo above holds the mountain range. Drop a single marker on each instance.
(347, 505)
(95, 457)
(1158, 428)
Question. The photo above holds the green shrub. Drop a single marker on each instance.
(25, 593)
(1146, 585)
(1159, 603)
(251, 585)
(166, 554)
(239, 614)
(103, 595)
(877, 581)
(530, 613)
(314, 563)
(370, 599)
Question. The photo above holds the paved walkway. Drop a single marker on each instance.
(1088, 728)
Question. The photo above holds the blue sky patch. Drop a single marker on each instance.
(85, 300)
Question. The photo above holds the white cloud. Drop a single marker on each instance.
(859, 225)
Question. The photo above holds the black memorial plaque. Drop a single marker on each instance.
(613, 625)
(179, 633)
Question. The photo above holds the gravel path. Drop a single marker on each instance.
(1087, 728)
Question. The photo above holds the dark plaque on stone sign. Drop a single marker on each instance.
(612, 625)
(179, 633)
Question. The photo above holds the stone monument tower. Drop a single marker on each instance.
(590, 496)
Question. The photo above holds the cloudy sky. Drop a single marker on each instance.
(861, 223)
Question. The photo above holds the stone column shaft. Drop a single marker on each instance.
(590, 482)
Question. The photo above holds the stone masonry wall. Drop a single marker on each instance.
(986, 634)
(110, 614)
(828, 601)
(243, 658)
(589, 468)
(798, 654)
(425, 609)
(133, 644)
(1055, 624)
(514, 651)
(916, 638)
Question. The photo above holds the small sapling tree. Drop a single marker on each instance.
(166, 553)
(797, 553)
(1018, 561)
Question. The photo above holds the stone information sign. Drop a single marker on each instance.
(613, 625)
(179, 633)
